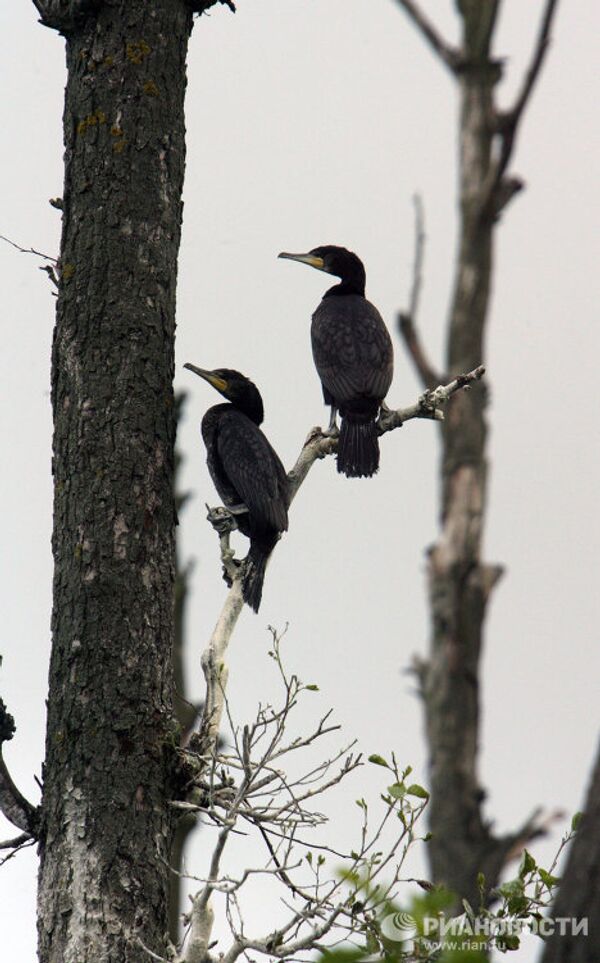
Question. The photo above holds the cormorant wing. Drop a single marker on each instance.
(254, 469)
(352, 348)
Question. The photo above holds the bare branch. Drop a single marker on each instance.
(317, 445)
(539, 53)
(508, 122)
(448, 54)
(15, 842)
(407, 328)
(407, 320)
(429, 405)
(28, 250)
(420, 238)
(324, 907)
(18, 810)
(16, 845)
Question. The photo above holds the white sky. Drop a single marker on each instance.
(313, 123)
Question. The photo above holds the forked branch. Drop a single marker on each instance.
(249, 788)
(508, 121)
(317, 445)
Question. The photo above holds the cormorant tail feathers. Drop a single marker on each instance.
(254, 575)
(358, 448)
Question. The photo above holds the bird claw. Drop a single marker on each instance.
(221, 519)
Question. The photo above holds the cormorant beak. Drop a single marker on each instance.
(311, 259)
(219, 383)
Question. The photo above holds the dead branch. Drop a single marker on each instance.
(244, 788)
(407, 320)
(18, 810)
(459, 581)
(16, 845)
(499, 191)
(448, 54)
(28, 250)
(317, 445)
(429, 405)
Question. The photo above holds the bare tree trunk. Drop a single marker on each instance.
(460, 582)
(108, 775)
(579, 893)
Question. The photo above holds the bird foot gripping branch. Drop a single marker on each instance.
(222, 519)
(224, 523)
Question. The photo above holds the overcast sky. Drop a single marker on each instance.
(314, 123)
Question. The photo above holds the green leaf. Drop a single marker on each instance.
(508, 942)
(517, 905)
(418, 791)
(378, 760)
(548, 879)
(468, 909)
(312, 687)
(575, 822)
(528, 864)
(361, 803)
(372, 943)
(398, 790)
(512, 888)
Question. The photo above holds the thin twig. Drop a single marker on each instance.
(448, 54)
(16, 845)
(420, 238)
(16, 841)
(508, 122)
(29, 250)
(407, 320)
(539, 53)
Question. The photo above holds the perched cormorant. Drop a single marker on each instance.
(246, 471)
(354, 358)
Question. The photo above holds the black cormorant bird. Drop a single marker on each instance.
(246, 471)
(354, 358)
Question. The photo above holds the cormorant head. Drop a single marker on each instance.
(339, 261)
(239, 390)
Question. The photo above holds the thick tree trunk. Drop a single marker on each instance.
(107, 828)
(460, 582)
(579, 894)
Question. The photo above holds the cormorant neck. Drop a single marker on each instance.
(251, 405)
(354, 285)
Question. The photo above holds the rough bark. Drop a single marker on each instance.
(107, 829)
(13, 805)
(579, 893)
(459, 581)
(185, 711)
